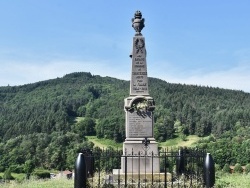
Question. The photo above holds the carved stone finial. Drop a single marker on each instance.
(138, 22)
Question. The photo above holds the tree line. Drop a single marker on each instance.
(46, 122)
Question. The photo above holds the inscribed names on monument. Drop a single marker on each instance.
(139, 76)
(139, 126)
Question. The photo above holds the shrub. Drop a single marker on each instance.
(217, 167)
(238, 168)
(2, 168)
(7, 175)
(247, 169)
(226, 168)
(17, 168)
(183, 137)
(108, 186)
(41, 173)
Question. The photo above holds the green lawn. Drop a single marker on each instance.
(51, 183)
(232, 180)
(104, 143)
(222, 181)
(178, 142)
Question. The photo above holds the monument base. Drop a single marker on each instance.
(132, 178)
(139, 157)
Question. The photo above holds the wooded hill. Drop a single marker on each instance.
(44, 123)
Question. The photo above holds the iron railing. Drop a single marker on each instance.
(178, 168)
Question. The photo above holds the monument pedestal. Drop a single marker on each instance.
(134, 178)
(138, 158)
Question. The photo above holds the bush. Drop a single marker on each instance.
(7, 175)
(226, 168)
(2, 169)
(247, 169)
(238, 168)
(183, 137)
(108, 186)
(217, 167)
(41, 173)
(17, 168)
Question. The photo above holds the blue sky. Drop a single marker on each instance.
(193, 42)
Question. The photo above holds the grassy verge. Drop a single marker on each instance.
(222, 181)
(50, 183)
(18, 177)
(178, 142)
(104, 143)
(232, 180)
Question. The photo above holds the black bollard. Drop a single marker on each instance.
(209, 171)
(80, 172)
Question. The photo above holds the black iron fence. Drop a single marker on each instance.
(176, 168)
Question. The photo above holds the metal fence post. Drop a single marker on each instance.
(209, 171)
(180, 164)
(126, 171)
(80, 172)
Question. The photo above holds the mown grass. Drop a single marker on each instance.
(223, 180)
(33, 183)
(178, 142)
(175, 142)
(232, 180)
(104, 143)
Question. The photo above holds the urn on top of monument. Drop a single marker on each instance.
(138, 22)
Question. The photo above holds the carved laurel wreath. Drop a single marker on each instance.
(141, 105)
(139, 45)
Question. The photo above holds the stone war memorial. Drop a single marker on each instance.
(141, 163)
(139, 107)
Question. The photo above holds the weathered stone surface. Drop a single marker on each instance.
(139, 116)
(144, 163)
(139, 107)
(139, 126)
(139, 75)
(138, 22)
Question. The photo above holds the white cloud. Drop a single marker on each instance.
(18, 73)
(236, 78)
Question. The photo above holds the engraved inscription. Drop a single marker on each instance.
(140, 126)
(139, 76)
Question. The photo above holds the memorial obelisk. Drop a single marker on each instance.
(139, 107)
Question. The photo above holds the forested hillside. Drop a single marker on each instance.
(44, 123)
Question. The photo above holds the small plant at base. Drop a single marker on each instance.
(108, 186)
(226, 168)
(247, 169)
(238, 168)
(7, 175)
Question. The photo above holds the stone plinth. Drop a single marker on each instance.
(140, 158)
(134, 178)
